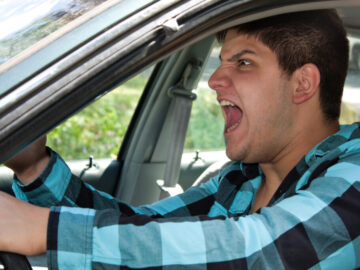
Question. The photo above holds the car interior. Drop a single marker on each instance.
(153, 159)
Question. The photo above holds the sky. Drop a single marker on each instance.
(17, 14)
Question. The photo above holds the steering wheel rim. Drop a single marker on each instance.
(13, 261)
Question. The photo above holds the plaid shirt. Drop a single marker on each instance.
(313, 220)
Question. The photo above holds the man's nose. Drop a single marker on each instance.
(219, 80)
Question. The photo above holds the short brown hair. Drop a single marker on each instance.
(317, 37)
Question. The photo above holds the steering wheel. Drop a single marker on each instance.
(13, 261)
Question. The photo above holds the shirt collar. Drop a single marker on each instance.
(345, 134)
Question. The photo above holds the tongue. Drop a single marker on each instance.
(233, 115)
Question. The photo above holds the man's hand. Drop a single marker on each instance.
(30, 162)
(23, 226)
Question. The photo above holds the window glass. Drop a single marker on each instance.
(99, 129)
(206, 125)
(350, 110)
(24, 22)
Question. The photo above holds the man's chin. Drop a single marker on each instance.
(240, 154)
(234, 155)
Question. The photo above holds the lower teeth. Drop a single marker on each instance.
(233, 127)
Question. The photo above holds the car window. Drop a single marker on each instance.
(206, 125)
(351, 98)
(59, 28)
(24, 22)
(99, 129)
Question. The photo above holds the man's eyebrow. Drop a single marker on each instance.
(238, 55)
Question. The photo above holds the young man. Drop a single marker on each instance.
(290, 199)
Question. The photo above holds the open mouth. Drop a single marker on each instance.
(232, 115)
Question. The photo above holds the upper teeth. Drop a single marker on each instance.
(226, 103)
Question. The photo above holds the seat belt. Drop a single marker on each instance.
(174, 129)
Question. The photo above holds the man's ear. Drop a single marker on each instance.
(307, 82)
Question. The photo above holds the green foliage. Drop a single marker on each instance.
(206, 125)
(348, 114)
(99, 129)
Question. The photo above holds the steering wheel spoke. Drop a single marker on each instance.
(13, 261)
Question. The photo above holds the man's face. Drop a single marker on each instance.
(255, 98)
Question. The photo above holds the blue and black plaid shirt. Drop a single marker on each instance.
(313, 220)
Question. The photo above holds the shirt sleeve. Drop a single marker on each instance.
(58, 186)
(317, 227)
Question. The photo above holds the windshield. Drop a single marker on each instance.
(56, 32)
(24, 22)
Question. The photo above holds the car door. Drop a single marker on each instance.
(55, 79)
(45, 86)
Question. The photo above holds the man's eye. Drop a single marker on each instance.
(244, 62)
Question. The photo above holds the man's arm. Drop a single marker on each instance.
(32, 220)
(56, 185)
(42, 178)
(23, 227)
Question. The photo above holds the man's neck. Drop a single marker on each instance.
(276, 170)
